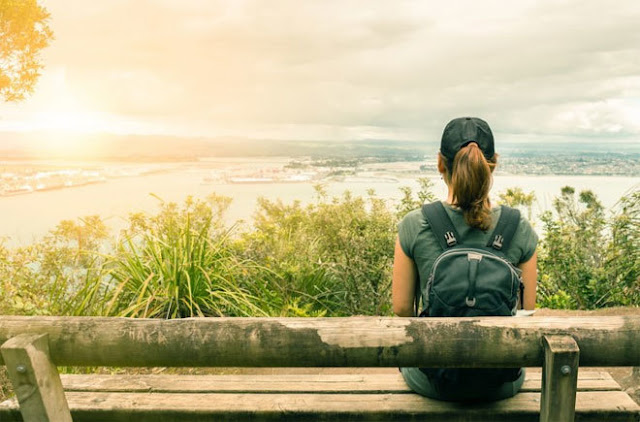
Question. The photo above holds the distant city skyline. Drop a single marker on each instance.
(537, 71)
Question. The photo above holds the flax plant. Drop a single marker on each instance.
(177, 264)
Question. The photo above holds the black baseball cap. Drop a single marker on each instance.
(461, 132)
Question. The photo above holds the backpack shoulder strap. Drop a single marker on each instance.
(441, 225)
(507, 225)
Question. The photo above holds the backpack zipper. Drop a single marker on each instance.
(465, 251)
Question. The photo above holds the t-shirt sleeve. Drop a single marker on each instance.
(527, 240)
(408, 229)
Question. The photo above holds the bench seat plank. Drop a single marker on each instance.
(163, 407)
(325, 383)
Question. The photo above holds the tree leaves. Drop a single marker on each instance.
(24, 32)
(589, 260)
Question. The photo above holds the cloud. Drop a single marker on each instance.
(352, 68)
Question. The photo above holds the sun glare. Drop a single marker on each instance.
(72, 121)
(64, 116)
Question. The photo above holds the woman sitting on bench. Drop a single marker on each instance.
(479, 259)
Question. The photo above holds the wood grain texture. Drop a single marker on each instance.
(559, 379)
(329, 384)
(156, 407)
(35, 379)
(328, 342)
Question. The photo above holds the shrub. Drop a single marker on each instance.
(588, 260)
(49, 276)
(409, 203)
(332, 257)
(515, 197)
(177, 263)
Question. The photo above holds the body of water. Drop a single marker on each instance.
(26, 218)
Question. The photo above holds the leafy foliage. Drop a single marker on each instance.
(624, 257)
(588, 260)
(409, 203)
(177, 263)
(517, 198)
(49, 276)
(329, 258)
(24, 32)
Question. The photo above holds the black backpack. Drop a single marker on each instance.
(466, 281)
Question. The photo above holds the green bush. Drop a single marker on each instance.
(517, 198)
(49, 276)
(177, 263)
(588, 260)
(409, 203)
(332, 257)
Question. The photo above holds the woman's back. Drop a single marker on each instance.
(419, 243)
(466, 161)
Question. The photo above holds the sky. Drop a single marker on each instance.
(338, 69)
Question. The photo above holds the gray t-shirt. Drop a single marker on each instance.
(419, 243)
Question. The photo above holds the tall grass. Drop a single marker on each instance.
(186, 275)
(177, 263)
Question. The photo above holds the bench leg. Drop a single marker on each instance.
(559, 379)
(35, 379)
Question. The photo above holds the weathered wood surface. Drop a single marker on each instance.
(155, 407)
(324, 342)
(559, 379)
(35, 379)
(333, 383)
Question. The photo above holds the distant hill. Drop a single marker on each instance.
(173, 148)
(139, 148)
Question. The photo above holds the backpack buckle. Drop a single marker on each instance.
(450, 238)
(497, 242)
(474, 256)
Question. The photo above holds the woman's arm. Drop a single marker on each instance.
(530, 281)
(405, 278)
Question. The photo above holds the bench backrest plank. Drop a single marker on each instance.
(327, 342)
(554, 343)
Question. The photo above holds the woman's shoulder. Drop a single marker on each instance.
(496, 212)
(525, 241)
(526, 230)
(413, 216)
(410, 228)
(524, 226)
(418, 221)
(412, 222)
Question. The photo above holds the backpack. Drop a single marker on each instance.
(467, 281)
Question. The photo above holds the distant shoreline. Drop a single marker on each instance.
(29, 217)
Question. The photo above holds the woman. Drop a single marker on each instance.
(466, 162)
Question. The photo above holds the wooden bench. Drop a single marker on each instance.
(32, 347)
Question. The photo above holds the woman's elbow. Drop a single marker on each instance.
(403, 309)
